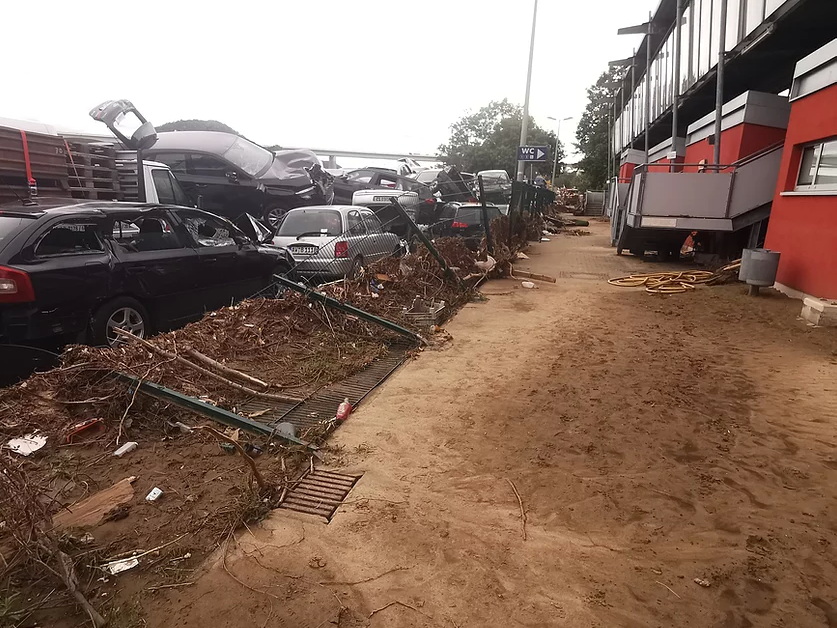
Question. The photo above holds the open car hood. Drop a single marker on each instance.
(292, 166)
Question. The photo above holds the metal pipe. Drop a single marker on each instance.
(486, 224)
(631, 100)
(675, 100)
(524, 128)
(142, 196)
(648, 87)
(719, 87)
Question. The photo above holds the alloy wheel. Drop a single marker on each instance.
(127, 319)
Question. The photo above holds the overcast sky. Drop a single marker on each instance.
(374, 75)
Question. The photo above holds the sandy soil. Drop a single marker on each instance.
(653, 440)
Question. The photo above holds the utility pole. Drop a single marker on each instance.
(648, 86)
(524, 128)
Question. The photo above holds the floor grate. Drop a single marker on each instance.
(319, 493)
(322, 405)
(566, 274)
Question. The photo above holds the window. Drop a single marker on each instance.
(360, 176)
(373, 225)
(818, 168)
(387, 181)
(175, 161)
(754, 15)
(70, 238)
(208, 231)
(251, 158)
(356, 226)
(427, 176)
(149, 232)
(313, 222)
(168, 189)
(207, 166)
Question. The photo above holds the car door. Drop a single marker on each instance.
(229, 265)
(156, 265)
(69, 266)
(357, 237)
(380, 244)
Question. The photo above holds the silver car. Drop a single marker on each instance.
(333, 241)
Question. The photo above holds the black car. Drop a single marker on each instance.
(373, 179)
(227, 174)
(463, 220)
(73, 271)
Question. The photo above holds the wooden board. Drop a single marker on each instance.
(90, 511)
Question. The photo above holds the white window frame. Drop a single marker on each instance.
(815, 187)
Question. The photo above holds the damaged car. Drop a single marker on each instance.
(77, 271)
(227, 174)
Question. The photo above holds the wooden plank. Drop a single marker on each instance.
(91, 511)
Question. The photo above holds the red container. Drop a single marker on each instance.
(344, 410)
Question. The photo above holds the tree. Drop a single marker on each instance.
(488, 140)
(197, 125)
(592, 131)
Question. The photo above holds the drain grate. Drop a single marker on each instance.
(566, 274)
(322, 405)
(319, 493)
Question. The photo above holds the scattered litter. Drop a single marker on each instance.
(118, 566)
(545, 240)
(488, 265)
(227, 448)
(702, 582)
(125, 448)
(254, 451)
(186, 429)
(424, 313)
(154, 495)
(27, 445)
(286, 429)
(521, 255)
(344, 410)
(84, 426)
(528, 284)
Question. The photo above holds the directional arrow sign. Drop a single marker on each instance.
(533, 153)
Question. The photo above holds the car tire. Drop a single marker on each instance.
(272, 215)
(356, 268)
(122, 313)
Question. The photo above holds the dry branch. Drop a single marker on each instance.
(223, 368)
(519, 503)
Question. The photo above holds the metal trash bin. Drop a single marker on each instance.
(758, 268)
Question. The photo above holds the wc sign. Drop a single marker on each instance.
(532, 153)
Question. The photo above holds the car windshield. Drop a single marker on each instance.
(251, 158)
(308, 221)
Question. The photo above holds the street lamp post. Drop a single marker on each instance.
(557, 144)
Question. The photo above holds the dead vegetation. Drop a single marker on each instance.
(211, 481)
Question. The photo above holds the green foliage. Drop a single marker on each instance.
(196, 125)
(592, 132)
(488, 140)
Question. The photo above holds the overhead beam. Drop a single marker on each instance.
(369, 155)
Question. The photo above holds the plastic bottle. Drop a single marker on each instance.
(129, 446)
(344, 410)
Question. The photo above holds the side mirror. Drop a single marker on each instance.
(232, 177)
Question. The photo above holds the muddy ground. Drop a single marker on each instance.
(652, 440)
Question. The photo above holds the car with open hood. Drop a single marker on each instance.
(227, 174)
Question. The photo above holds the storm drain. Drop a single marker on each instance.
(566, 274)
(322, 405)
(319, 493)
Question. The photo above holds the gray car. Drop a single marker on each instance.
(333, 241)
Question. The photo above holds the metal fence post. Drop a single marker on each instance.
(489, 243)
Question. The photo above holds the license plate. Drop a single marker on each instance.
(381, 199)
(304, 250)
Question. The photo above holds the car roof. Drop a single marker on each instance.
(203, 141)
(76, 206)
(340, 208)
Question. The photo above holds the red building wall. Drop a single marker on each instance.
(737, 142)
(804, 228)
(626, 172)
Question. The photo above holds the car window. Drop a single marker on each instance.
(207, 166)
(145, 233)
(10, 225)
(448, 212)
(427, 176)
(175, 161)
(312, 222)
(164, 184)
(355, 223)
(388, 181)
(469, 215)
(360, 176)
(209, 231)
(373, 225)
(70, 238)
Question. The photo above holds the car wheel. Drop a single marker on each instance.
(272, 215)
(123, 313)
(357, 268)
